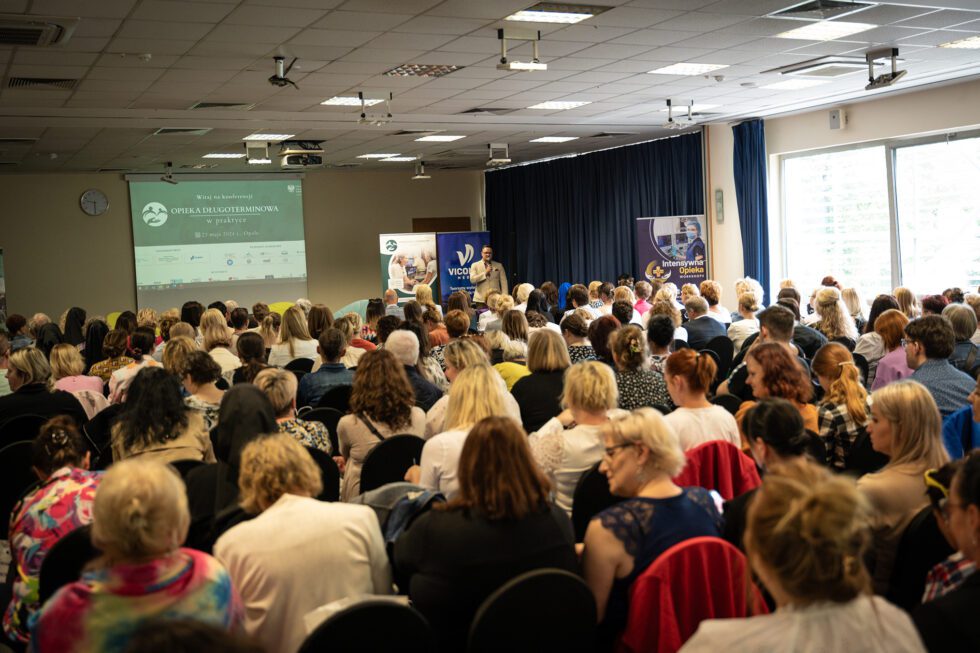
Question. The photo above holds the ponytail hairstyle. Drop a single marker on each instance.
(251, 351)
(778, 424)
(57, 445)
(809, 529)
(629, 348)
(141, 342)
(834, 361)
(269, 329)
(694, 367)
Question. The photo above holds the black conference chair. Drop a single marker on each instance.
(862, 364)
(663, 410)
(329, 417)
(862, 458)
(184, 467)
(299, 365)
(679, 344)
(98, 432)
(373, 625)
(22, 427)
(221, 383)
(722, 345)
(329, 474)
(591, 497)
(731, 403)
(65, 561)
(337, 398)
(16, 479)
(921, 548)
(510, 619)
(389, 460)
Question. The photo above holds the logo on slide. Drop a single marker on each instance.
(391, 245)
(467, 256)
(155, 214)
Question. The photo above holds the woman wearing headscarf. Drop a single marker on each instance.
(74, 324)
(95, 334)
(48, 335)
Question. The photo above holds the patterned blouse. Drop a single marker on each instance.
(579, 353)
(947, 576)
(208, 410)
(104, 369)
(99, 613)
(838, 430)
(308, 434)
(60, 505)
(638, 388)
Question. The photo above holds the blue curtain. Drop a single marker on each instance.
(573, 219)
(752, 199)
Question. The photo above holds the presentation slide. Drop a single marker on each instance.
(215, 240)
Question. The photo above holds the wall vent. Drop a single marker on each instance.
(18, 29)
(42, 82)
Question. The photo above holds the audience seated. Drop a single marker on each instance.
(29, 376)
(95, 331)
(904, 426)
(381, 405)
(297, 553)
(175, 357)
(666, 308)
(961, 430)
(251, 352)
(60, 504)
(600, 336)
(140, 347)
(576, 334)
(499, 525)
(457, 326)
(566, 446)
(949, 574)
(774, 372)
(332, 345)
(513, 366)
(156, 424)
(741, 329)
(948, 623)
(642, 455)
(643, 292)
(637, 385)
(404, 345)
(140, 520)
(929, 342)
(845, 408)
(835, 323)
(280, 387)
(893, 366)
(870, 344)
(688, 375)
(933, 305)
(217, 339)
(294, 339)
(702, 327)
(67, 366)
(199, 374)
(20, 335)
(806, 535)
(964, 323)
(114, 348)
(908, 303)
(660, 341)
(711, 292)
(539, 393)
(319, 320)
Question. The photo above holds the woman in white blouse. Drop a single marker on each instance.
(738, 332)
(696, 420)
(568, 445)
(806, 538)
(294, 339)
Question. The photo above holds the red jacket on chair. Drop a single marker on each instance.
(700, 578)
(719, 466)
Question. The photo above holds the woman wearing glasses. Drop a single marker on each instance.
(642, 455)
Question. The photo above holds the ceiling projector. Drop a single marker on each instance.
(300, 154)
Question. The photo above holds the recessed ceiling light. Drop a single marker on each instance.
(268, 137)
(349, 101)
(558, 105)
(554, 139)
(552, 12)
(398, 159)
(972, 43)
(688, 69)
(825, 30)
(421, 70)
(224, 155)
(680, 109)
(387, 155)
(794, 84)
(260, 161)
(440, 138)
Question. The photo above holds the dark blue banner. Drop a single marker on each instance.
(673, 248)
(457, 252)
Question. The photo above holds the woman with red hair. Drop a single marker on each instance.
(773, 371)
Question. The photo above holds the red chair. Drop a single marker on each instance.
(700, 578)
(719, 466)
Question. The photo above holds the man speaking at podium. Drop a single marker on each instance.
(486, 274)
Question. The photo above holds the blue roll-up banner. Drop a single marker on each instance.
(457, 252)
(672, 248)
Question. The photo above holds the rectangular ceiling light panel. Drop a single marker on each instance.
(688, 69)
(825, 30)
(349, 101)
(553, 12)
(558, 105)
(421, 70)
(440, 138)
(554, 139)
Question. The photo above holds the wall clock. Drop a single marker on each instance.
(94, 202)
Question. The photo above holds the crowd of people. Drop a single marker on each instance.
(205, 497)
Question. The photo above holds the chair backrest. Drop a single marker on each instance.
(731, 403)
(372, 625)
(98, 432)
(921, 548)
(21, 427)
(511, 618)
(329, 417)
(713, 355)
(299, 365)
(65, 561)
(719, 466)
(679, 344)
(389, 460)
(697, 579)
(222, 383)
(184, 467)
(329, 473)
(16, 478)
(863, 368)
(723, 346)
(591, 497)
(337, 397)
(663, 410)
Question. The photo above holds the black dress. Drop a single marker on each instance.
(538, 395)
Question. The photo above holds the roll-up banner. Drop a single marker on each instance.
(672, 248)
(457, 252)
(408, 260)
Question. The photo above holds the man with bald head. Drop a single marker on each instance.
(391, 305)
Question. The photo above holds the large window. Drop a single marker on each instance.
(838, 219)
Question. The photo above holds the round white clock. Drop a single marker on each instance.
(94, 202)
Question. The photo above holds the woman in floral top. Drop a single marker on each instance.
(114, 348)
(280, 387)
(140, 521)
(62, 503)
(199, 375)
(638, 387)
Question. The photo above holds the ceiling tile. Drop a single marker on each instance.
(239, 33)
(188, 11)
(492, 9)
(359, 20)
(588, 33)
(702, 21)
(655, 37)
(100, 9)
(406, 6)
(95, 27)
(442, 25)
(940, 19)
(885, 14)
(273, 16)
(158, 29)
(397, 41)
(395, 57)
(633, 17)
(124, 74)
(83, 44)
(613, 51)
(160, 46)
(333, 38)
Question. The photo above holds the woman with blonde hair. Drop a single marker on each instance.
(477, 392)
(140, 523)
(907, 302)
(216, 338)
(806, 538)
(567, 445)
(32, 390)
(835, 322)
(689, 290)
(382, 404)
(747, 323)
(280, 387)
(269, 329)
(905, 426)
(67, 366)
(638, 386)
(294, 339)
(514, 324)
(423, 295)
(855, 307)
(489, 315)
(594, 301)
(175, 355)
(539, 393)
(641, 456)
(893, 366)
(845, 407)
